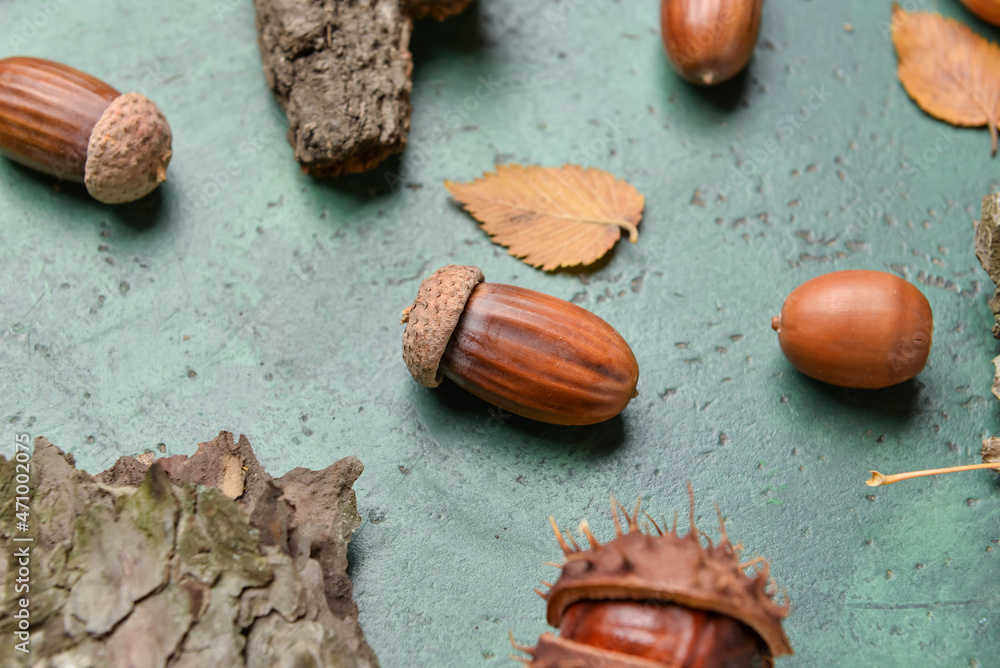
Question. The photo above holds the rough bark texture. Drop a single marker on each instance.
(988, 250)
(153, 565)
(340, 70)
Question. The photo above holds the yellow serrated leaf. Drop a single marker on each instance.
(950, 71)
(552, 217)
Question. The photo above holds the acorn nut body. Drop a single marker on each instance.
(709, 41)
(987, 10)
(856, 328)
(659, 600)
(528, 353)
(66, 123)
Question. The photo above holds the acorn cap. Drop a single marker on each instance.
(670, 568)
(432, 318)
(128, 151)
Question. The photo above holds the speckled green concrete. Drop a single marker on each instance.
(290, 290)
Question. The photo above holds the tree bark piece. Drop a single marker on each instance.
(154, 565)
(340, 69)
(987, 244)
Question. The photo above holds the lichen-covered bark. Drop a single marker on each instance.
(149, 566)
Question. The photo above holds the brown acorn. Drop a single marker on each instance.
(987, 10)
(709, 41)
(528, 353)
(856, 328)
(66, 123)
(660, 600)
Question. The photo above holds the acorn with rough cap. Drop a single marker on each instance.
(528, 353)
(644, 600)
(66, 123)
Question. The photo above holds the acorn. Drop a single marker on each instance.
(659, 600)
(856, 328)
(66, 123)
(528, 353)
(987, 10)
(709, 41)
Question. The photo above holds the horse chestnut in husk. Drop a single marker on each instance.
(659, 600)
(856, 328)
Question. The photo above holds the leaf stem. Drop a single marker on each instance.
(879, 479)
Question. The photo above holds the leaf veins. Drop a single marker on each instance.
(950, 71)
(552, 217)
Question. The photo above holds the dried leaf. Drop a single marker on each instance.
(552, 217)
(950, 71)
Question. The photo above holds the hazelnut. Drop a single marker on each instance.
(709, 41)
(857, 328)
(528, 353)
(66, 123)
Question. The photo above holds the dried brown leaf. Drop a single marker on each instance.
(552, 217)
(950, 71)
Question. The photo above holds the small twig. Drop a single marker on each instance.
(879, 479)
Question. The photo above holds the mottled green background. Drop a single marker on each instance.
(245, 296)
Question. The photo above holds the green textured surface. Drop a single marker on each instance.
(290, 291)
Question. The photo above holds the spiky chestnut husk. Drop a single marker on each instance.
(528, 353)
(66, 123)
(663, 600)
